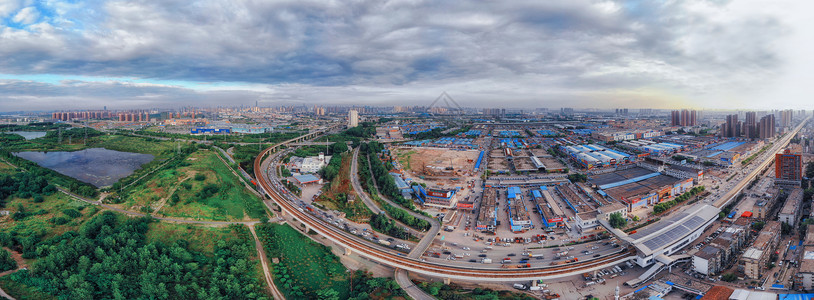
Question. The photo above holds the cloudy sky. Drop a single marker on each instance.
(577, 53)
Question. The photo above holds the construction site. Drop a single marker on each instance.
(437, 166)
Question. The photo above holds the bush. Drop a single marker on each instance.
(6, 261)
(200, 177)
(72, 213)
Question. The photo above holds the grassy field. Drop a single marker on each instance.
(6, 168)
(305, 265)
(39, 222)
(159, 148)
(336, 193)
(212, 191)
(200, 238)
(405, 157)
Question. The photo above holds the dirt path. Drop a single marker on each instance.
(263, 261)
(164, 201)
(20, 265)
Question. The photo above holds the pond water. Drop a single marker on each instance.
(30, 135)
(97, 166)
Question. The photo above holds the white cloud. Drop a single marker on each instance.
(26, 16)
(565, 52)
(7, 7)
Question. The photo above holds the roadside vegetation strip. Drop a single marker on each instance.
(338, 191)
(752, 157)
(307, 269)
(665, 206)
(452, 291)
(395, 212)
(261, 253)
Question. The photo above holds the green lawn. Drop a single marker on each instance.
(304, 264)
(219, 196)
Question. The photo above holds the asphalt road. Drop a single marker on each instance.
(755, 169)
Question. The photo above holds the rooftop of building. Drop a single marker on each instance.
(671, 229)
(792, 204)
(752, 253)
(769, 232)
(718, 293)
(809, 235)
(807, 260)
(708, 252)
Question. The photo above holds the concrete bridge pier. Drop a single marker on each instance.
(446, 281)
(347, 251)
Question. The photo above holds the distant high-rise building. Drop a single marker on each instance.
(766, 127)
(732, 127)
(567, 111)
(788, 167)
(353, 118)
(750, 125)
(496, 112)
(684, 117)
(622, 111)
(785, 118)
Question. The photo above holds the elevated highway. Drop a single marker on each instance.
(755, 170)
(391, 258)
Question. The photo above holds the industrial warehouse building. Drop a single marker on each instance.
(591, 156)
(639, 187)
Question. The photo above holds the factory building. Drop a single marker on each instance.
(519, 219)
(487, 213)
(436, 196)
(590, 156)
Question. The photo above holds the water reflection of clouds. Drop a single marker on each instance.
(97, 166)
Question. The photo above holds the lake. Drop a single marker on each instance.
(29, 135)
(97, 166)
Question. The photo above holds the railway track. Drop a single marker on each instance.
(396, 260)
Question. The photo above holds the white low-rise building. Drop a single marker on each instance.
(311, 164)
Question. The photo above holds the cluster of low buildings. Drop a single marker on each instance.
(643, 185)
(590, 156)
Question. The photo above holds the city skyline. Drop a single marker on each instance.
(581, 54)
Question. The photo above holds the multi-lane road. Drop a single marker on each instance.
(397, 260)
(765, 159)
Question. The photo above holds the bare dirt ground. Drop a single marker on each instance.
(432, 164)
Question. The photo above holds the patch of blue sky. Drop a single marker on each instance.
(57, 79)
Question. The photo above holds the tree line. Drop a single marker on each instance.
(386, 180)
(664, 206)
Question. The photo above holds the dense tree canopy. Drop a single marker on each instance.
(109, 258)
